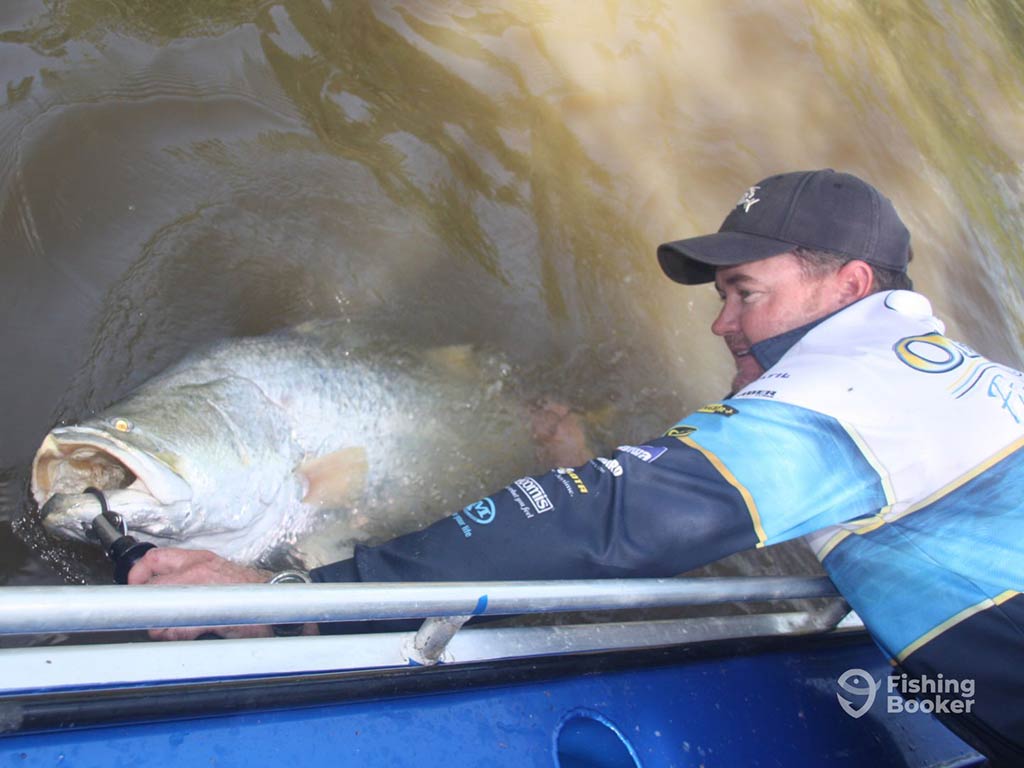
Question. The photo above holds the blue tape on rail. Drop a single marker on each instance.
(481, 605)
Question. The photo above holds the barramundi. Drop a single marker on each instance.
(302, 442)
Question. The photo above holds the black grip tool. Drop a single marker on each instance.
(122, 549)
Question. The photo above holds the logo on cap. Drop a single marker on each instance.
(748, 199)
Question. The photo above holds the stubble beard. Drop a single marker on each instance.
(748, 370)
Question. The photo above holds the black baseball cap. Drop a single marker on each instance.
(821, 210)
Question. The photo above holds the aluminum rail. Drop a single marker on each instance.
(99, 608)
(54, 668)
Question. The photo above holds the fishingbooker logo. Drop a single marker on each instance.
(931, 695)
(859, 683)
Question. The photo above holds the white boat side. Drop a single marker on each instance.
(92, 608)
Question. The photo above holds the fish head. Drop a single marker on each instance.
(206, 464)
(141, 484)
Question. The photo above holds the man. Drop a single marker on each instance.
(853, 421)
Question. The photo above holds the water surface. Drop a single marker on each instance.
(494, 173)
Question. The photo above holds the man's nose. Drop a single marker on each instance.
(727, 320)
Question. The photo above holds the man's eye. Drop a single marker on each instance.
(747, 296)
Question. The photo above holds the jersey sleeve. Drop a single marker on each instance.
(649, 510)
(798, 470)
(729, 477)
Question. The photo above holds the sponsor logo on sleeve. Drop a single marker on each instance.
(576, 479)
(523, 506)
(481, 512)
(538, 498)
(718, 408)
(646, 453)
(466, 529)
(680, 431)
(609, 465)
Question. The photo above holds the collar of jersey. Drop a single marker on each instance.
(769, 351)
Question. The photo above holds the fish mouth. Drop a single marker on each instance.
(72, 459)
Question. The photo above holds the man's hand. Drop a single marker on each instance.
(186, 566)
(559, 435)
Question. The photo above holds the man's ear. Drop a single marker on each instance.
(856, 280)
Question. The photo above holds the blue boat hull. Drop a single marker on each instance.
(748, 703)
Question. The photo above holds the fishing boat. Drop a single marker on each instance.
(777, 687)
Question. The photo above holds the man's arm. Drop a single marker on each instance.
(731, 476)
(651, 510)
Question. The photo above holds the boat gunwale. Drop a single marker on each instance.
(72, 709)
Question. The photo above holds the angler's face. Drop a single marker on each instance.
(763, 299)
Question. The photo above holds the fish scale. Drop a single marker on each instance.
(257, 447)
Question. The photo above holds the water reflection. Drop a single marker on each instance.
(465, 173)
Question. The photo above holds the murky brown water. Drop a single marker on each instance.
(495, 173)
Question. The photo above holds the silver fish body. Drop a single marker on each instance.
(305, 441)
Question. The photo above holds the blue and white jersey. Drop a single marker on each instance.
(882, 435)
(897, 452)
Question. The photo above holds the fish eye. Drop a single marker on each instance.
(122, 425)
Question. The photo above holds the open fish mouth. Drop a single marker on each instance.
(137, 484)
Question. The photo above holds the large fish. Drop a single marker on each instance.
(304, 442)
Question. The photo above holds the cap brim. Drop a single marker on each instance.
(693, 261)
